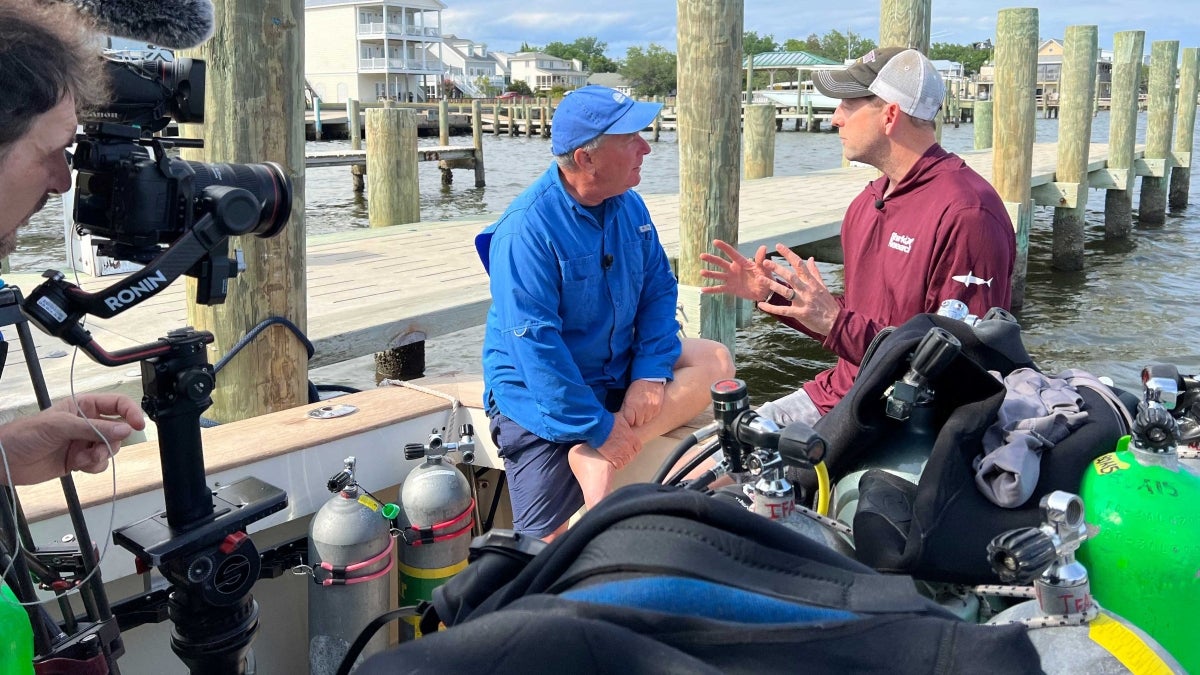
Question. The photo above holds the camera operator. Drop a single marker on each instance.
(49, 66)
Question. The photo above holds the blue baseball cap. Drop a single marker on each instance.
(593, 110)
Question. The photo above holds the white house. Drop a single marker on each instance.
(468, 64)
(369, 50)
(612, 81)
(543, 72)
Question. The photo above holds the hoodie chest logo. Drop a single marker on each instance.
(900, 242)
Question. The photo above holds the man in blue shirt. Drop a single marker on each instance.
(581, 358)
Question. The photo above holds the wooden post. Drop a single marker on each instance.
(527, 114)
(256, 66)
(710, 55)
(316, 118)
(657, 126)
(1185, 123)
(758, 140)
(982, 116)
(545, 121)
(905, 23)
(1160, 117)
(354, 123)
(1122, 132)
(393, 197)
(496, 118)
(443, 122)
(512, 119)
(749, 79)
(1076, 89)
(1014, 118)
(477, 140)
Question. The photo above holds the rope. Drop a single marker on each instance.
(455, 404)
(1044, 621)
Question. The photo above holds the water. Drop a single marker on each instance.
(1129, 307)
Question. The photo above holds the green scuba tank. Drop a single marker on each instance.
(1145, 558)
(16, 636)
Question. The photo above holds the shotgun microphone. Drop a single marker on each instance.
(175, 24)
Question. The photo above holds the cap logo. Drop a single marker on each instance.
(618, 97)
(869, 57)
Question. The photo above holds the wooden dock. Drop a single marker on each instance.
(368, 289)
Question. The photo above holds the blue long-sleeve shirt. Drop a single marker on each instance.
(567, 321)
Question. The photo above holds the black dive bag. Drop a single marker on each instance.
(664, 580)
(939, 529)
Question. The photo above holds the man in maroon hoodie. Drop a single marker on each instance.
(928, 230)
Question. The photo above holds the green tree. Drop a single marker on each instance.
(526, 47)
(521, 87)
(651, 72)
(484, 84)
(589, 50)
(840, 46)
(970, 57)
(812, 44)
(753, 44)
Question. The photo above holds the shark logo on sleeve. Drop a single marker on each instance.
(969, 279)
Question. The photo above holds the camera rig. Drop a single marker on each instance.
(175, 217)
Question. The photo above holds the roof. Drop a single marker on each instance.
(413, 4)
(610, 80)
(788, 60)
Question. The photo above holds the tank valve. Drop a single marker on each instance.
(935, 351)
(342, 479)
(1046, 556)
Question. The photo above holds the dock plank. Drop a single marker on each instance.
(369, 288)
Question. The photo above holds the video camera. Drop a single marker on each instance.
(130, 193)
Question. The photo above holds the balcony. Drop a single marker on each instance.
(397, 64)
(394, 29)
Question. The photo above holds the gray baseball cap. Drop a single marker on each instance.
(896, 75)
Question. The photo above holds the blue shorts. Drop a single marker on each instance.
(541, 485)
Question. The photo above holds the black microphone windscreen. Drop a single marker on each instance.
(879, 204)
(175, 24)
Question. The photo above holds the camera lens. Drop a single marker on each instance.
(267, 182)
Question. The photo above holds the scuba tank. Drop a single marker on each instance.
(1070, 632)
(910, 404)
(16, 635)
(350, 552)
(1145, 503)
(437, 516)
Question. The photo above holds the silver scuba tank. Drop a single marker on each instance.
(1070, 631)
(910, 404)
(350, 552)
(438, 514)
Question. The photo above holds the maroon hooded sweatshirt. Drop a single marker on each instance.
(942, 233)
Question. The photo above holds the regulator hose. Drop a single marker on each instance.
(681, 449)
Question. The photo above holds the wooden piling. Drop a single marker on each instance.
(905, 23)
(256, 66)
(317, 118)
(1014, 119)
(750, 78)
(710, 55)
(443, 122)
(477, 141)
(527, 114)
(512, 120)
(1160, 118)
(496, 119)
(1122, 132)
(1077, 89)
(394, 196)
(354, 123)
(982, 116)
(656, 127)
(1185, 123)
(758, 140)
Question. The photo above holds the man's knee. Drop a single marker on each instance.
(710, 355)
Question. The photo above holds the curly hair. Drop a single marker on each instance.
(47, 50)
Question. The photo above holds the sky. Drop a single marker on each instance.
(505, 24)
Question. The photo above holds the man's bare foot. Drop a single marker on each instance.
(594, 473)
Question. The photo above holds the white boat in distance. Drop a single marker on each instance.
(784, 94)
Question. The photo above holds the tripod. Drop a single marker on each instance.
(198, 543)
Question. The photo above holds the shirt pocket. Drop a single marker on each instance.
(582, 278)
